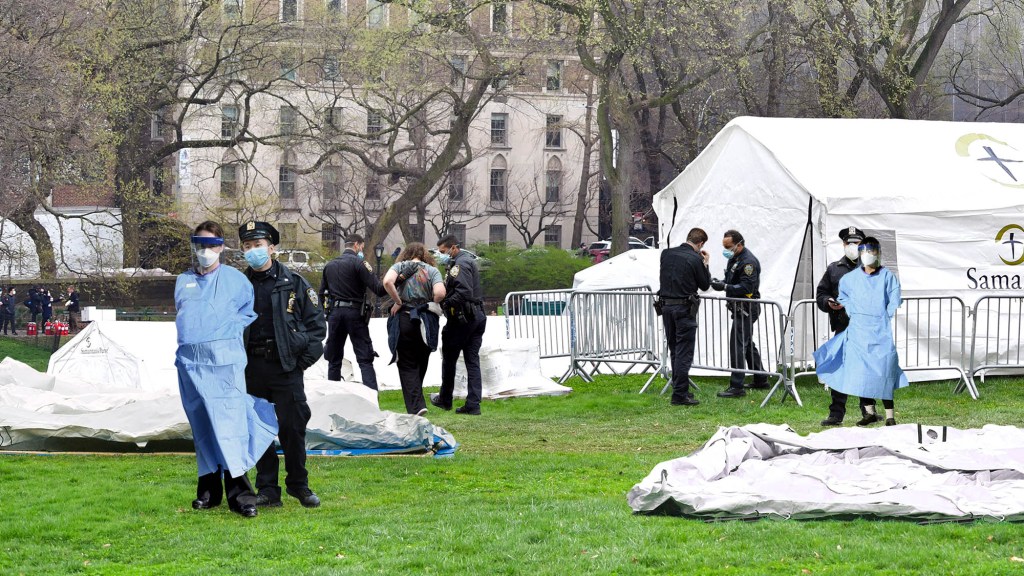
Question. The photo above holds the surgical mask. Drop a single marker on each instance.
(207, 257)
(257, 257)
(361, 255)
(851, 251)
(869, 259)
(443, 259)
(728, 254)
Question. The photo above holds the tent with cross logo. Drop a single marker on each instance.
(946, 200)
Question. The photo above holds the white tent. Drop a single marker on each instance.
(944, 198)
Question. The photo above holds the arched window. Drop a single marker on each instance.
(499, 179)
(553, 181)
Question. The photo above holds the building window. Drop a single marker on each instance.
(288, 69)
(499, 16)
(228, 121)
(552, 186)
(335, 8)
(332, 182)
(286, 177)
(499, 129)
(330, 235)
(497, 234)
(553, 132)
(289, 233)
(335, 117)
(554, 22)
(497, 187)
(417, 231)
(376, 14)
(229, 181)
(456, 186)
(289, 120)
(500, 82)
(459, 231)
(458, 64)
(373, 187)
(332, 68)
(553, 236)
(554, 79)
(374, 126)
(289, 10)
(233, 10)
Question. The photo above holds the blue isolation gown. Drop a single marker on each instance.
(861, 360)
(231, 429)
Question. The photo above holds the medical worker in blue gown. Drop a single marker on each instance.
(861, 360)
(231, 429)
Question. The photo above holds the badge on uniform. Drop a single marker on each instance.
(454, 271)
(311, 294)
(748, 269)
(368, 267)
(291, 302)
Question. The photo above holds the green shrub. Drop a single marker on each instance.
(514, 269)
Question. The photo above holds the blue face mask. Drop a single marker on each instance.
(361, 255)
(443, 258)
(257, 257)
(728, 254)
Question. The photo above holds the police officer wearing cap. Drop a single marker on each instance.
(463, 332)
(345, 282)
(742, 280)
(684, 271)
(826, 295)
(284, 340)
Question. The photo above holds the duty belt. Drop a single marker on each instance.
(346, 304)
(675, 301)
(266, 349)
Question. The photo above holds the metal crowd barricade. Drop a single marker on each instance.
(1000, 321)
(616, 327)
(806, 328)
(713, 334)
(930, 333)
(543, 315)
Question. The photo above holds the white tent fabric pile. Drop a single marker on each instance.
(769, 470)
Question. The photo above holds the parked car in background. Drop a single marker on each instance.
(602, 249)
(301, 260)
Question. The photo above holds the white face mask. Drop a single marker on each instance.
(869, 259)
(851, 251)
(207, 257)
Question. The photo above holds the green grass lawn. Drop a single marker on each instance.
(537, 487)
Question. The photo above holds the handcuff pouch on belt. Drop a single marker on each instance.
(692, 302)
(367, 312)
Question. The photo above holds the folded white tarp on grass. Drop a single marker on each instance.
(58, 412)
(768, 470)
(509, 368)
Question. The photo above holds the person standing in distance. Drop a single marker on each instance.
(230, 428)
(285, 339)
(345, 282)
(825, 297)
(684, 271)
(742, 280)
(463, 333)
(73, 308)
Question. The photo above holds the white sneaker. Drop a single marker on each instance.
(421, 412)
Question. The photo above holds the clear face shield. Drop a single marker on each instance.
(206, 251)
(870, 255)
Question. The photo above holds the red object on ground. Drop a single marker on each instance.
(31, 329)
(48, 328)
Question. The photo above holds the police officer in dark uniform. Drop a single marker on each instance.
(464, 330)
(285, 339)
(742, 280)
(825, 296)
(345, 282)
(684, 271)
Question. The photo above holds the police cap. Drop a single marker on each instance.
(254, 230)
(851, 233)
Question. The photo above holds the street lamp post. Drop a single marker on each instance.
(378, 251)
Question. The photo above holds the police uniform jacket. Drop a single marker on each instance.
(743, 280)
(348, 277)
(828, 287)
(299, 325)
(462, 283)
(682, 272)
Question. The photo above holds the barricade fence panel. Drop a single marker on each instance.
(543, 315)
(996, 334)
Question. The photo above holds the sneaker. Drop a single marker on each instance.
(832, 421)
(869, 419)
(305, 496)
(470, 410)
(435, 399)
(890, 421)
(264, 501)
(422, 412)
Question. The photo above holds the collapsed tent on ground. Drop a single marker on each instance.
(764, 470)
(944, 198)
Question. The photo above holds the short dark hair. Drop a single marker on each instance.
(871, 241)
(736, 237)
(353, 239)
(211, 227)
(448, 241)
(697, 236)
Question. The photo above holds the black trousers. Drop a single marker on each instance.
(239, 491)
(344, 323)
(413, 356)
(681, 333)
(462, 339)
(8, 320)
(743, 353)
(284, 389)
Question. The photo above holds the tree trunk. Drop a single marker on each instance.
(25, 218)
(584, 188)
